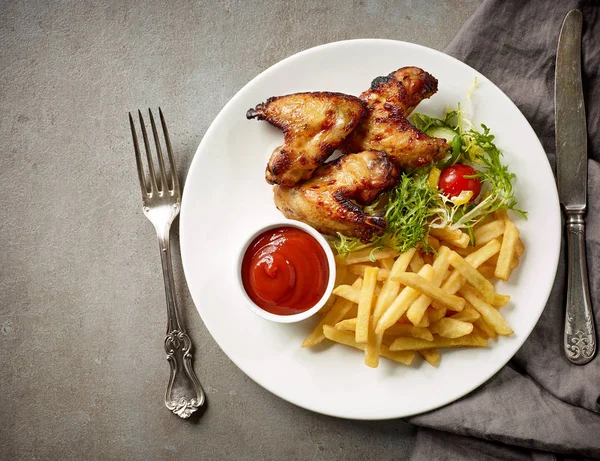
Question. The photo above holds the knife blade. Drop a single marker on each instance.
(571, 164)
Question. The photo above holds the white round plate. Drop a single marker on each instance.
(226, 197)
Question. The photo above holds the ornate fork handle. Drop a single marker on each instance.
(184, 393)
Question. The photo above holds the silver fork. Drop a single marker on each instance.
(161, 205)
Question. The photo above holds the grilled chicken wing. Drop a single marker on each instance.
(391, 99)
(331, 200)
(314, 125)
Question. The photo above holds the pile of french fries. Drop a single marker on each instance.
(417, 302)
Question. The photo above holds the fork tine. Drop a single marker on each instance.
(153, 187)
(138, 157)
(161, 159)
(169, 152)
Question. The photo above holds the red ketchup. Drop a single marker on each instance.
(285, 271)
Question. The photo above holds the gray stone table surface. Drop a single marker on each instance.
(82, 310)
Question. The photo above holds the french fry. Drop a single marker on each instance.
(484, 328)
(346, 324)
(519, 248)
(352, 294)
(366, 255)
(472, 275)
(386, 263)
(491, 316)
(451, 328)
(468, 314)
(475, 259)
(433, 242)
(409, 330)
(500, 300)
(435, 315)
(454, 237)
(425, 286)
(487, 270)
(417, 309)
(402, 302)
(432, 356)
(507, 251)
(416, 263)
(424, 323)
(389, 291)
(352, 313)
(347, 292)
(365, 305)
(328, 305)
(343, 337)
(487, 232)
(413, 344)
(337, 312)
(359, 269)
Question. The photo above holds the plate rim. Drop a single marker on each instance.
(216, 121)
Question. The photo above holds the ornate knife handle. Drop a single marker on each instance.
(580, 336)
(184, 393)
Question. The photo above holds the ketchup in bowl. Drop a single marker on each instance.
(285, 271)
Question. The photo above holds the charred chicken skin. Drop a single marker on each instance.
(331, 201)
(390, 100)
(314, 125)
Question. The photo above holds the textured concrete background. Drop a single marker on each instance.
(82, 310)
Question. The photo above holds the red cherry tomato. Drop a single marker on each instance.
(453, 181)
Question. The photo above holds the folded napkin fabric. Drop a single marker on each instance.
(540, 406)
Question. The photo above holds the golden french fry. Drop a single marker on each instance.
(500, 300)
(432, 356)
(337, 312)
(428, 258)
(352, 313)
(435, 315)
(341, 273)
(402, 301)
(390, 288)
(409, 330)
(491, 316)
(487, 232)
(475, 259)
(468, 314)
(347, 339)
(472, 275)
(359, 269)
(424, 323)
(453, 237)
(507, 251)
(486, 330)
(519, 248)
(386, 263)
(365, 305)
(346, 324)
(487, 270)
(416, 263)
(347, 292)
(417, 309)
(426, 287)
(433, 242)
(413, 344)
(328, 305)
(366, 255)
(389, 291)
(451, 328)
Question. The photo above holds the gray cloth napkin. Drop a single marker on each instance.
(540, 406)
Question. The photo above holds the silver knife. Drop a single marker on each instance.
(571, 166)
